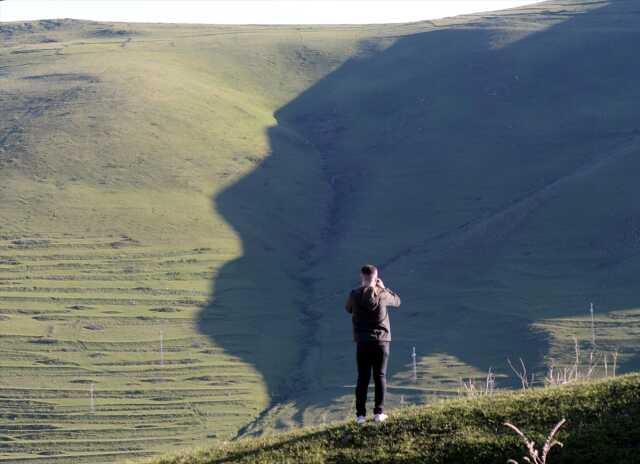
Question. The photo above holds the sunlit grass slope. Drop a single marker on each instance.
(214, 189)
(602, 426)
(86, 312)
(114, 141)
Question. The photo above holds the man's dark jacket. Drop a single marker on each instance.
(369, 313)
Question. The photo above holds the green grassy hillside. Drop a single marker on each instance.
(214, 189)
(115, 139)
(601, 426)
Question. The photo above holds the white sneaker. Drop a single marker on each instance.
(380, 417)
(361, 420)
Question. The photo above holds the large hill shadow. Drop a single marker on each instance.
(474, 164)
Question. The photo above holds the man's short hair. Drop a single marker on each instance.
(369, 270)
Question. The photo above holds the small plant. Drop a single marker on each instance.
(576, 372)
(537, 456)
(471, 390)
(526, 379)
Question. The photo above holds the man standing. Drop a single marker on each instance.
(367, 305)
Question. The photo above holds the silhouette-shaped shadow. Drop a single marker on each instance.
(461, 160)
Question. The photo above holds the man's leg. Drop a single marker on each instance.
(363, 359)
(380, 361)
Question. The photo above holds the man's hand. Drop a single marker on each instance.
(380, 283)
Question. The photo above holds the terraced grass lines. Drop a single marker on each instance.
(81, 312)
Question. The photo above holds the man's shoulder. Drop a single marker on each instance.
(354, 293)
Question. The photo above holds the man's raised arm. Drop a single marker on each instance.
(391, 298)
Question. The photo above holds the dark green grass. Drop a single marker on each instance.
(603, 426)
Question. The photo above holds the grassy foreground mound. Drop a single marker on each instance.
(602, 426)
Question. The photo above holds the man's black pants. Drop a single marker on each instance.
(371, 356)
